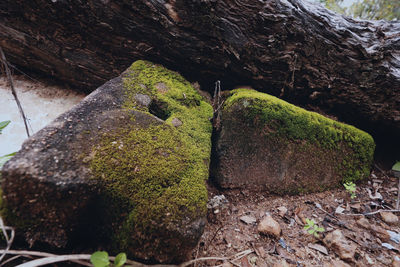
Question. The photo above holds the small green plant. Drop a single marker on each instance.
(396, 166)
(3, 125)
(3, 159)
(313, 228)
(101, 259)
(351, 188)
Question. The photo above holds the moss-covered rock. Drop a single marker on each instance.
(268, 144)
(126, 167)
(157, 170)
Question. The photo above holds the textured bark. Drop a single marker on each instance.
(293, 49)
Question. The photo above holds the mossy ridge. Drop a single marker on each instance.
(160, 171)
(296, 123)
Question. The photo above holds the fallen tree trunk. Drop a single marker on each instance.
(289, 48)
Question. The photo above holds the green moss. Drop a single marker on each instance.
(288, 122)
(157, 172)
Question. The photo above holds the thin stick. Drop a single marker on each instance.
(27, 253)
(369, 213)
(398, 195)
(14, 93)
(376, 165)
(235, 257)
(10, 260)
(197, 254)
(54, 259)
(9, 240)
(202, 259)
(241, 254)
(216, 104)
(77, 258)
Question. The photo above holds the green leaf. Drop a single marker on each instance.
(3, 125)
(100, 259)
(396, 167)
(310, 222)
(5, 158)
(120, 260)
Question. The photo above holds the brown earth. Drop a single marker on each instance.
(226, 235)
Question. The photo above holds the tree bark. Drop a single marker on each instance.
(298, 51)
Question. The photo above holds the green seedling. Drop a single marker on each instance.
(5, 158)
(313, 228)
(101, 259)
(396, 169)
(3, 124)
(351, 188)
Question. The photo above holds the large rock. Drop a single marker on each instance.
(119, 169)
(265, 143)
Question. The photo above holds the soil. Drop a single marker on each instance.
(226, 235)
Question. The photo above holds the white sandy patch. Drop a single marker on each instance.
(41, 104)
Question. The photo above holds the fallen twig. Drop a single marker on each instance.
(9, 240)
(10, 260)
(49, 258)
(216, 105)
(376, 166)
(27, 253)
(368, 213)
(54, 259)
(14, 93)
(241, 254)
(199, 259)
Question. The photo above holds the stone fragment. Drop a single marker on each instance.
(114, 169)
(143, 100)
(396, 262)
(364, 223)
(267, 144)
(369, 260)
(389, 218)
(248, 219)
(336, 263)
(161, 87)
(244, 262)
(340, 245)
(384, 259)
(227, 264)
(380, 232)
(268, 226)
(282, 211)
(319, 248)
(217, 201)
(282, 263)
(176, 122)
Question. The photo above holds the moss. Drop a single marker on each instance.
(288, 122)
(156, 171)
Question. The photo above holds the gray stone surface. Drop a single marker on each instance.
(82, 179)
(267, 144)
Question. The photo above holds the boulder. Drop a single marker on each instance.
(117, 169)
(265, 143)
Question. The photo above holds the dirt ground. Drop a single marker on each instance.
(226, 235)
